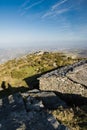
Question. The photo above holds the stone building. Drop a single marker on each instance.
(70, 79)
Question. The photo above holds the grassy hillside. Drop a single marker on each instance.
(14, 71)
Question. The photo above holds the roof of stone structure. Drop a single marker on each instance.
(65, 70)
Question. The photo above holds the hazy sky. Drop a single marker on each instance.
(43, 22)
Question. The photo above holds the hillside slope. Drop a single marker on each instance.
(14, 71)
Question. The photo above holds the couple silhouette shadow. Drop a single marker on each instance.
(13, 110)
(4, 86)
(7, 89)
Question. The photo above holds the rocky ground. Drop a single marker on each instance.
(28, 111)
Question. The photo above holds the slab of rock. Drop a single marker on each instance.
(79, 75)
(63, 85)
(69, 80)
(26, 113)
(49, 99)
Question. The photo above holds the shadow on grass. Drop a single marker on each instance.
(33, 81)
(11, 90)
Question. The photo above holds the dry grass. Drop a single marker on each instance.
(73, 118)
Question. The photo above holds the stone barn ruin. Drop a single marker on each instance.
(68, 80)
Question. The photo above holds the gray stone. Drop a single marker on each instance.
(49, 99)
(33, 104)
(70, 79)
(14, 114)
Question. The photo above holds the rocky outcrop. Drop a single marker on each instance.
(70, 79)
(28, 111)
(79, 75)
(62, 85)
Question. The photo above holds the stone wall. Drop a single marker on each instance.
(70, 79)
(62, 85)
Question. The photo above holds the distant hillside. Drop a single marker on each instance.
(14, 71)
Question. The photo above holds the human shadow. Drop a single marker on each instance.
(11, 90)
(12, 112)
(3, 85)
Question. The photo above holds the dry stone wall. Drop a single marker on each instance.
(60, 80)
(62, 85)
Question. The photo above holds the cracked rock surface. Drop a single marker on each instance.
(27, 111)
(67, 80)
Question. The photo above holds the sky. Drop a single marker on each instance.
(43, 23)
